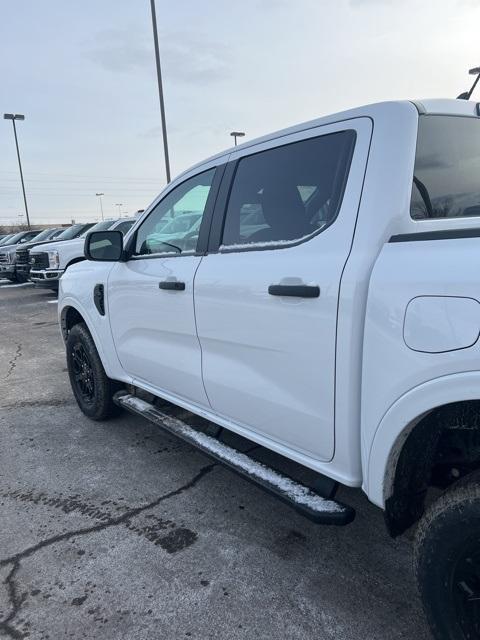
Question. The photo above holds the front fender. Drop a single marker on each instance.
(100, 332)
(401, 418)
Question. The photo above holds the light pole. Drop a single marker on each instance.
(237, 134)
(100, 196)
(467, 94)
(119, 205)
(160, 89)
(13, 117)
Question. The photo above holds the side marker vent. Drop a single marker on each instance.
(99, 298)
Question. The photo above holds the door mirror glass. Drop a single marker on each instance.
(104, 246)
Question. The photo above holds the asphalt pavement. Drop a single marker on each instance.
(116, 531)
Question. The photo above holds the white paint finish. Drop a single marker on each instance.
(76, 290)
(154, 329)
(269, 362)
(376, 373)
(434, 324)
(405, 271)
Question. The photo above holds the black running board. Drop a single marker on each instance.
(301, 498)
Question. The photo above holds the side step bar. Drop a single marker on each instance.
(301, 498)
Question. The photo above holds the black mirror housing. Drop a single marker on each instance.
(104, 246)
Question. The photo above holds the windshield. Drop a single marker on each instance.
(15, 238)
(46, 233)
(446, 180)
(6, 239)
(71, 232)
(100, 226)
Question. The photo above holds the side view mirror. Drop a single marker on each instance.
(104, 246)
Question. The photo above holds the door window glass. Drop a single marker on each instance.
(288, 193)
(124, 226)
(173, 226)
(447, 167)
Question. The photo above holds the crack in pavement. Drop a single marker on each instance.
(13, 362)
(16, 600)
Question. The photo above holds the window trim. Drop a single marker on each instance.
(204, 225)
(220, 213)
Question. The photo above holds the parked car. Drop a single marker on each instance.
(7, 252)
(22, 261)
(48, 262)
(6, 238)
(341, 332)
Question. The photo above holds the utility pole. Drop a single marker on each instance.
(160, 90)
(13, 117)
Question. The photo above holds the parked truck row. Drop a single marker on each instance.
(42, 256)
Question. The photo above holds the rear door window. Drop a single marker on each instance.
(288, 193)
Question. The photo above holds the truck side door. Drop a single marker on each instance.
(150, 296)
(266, 295)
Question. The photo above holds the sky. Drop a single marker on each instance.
(83, 73)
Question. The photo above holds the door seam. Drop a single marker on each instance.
(196, 331)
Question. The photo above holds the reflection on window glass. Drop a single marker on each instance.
(174, 224)
(124, 226)
(447, 168)
(290, 192)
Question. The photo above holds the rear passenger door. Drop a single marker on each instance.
(266, 294)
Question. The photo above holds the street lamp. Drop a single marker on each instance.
(100, 195)
(467, 94)
(160, 89)
(119, 205)
(237, 134)
(13, 117)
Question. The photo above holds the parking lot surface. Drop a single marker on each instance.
(114, 530)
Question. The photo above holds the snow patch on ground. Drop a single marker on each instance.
(11, 286)
(291, 489)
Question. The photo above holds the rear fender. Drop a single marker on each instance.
(401, 418)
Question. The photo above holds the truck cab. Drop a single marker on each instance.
(324, 303)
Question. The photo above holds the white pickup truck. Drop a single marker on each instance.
(49, 262)
(326, 308)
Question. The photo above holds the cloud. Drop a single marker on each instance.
(185, 57)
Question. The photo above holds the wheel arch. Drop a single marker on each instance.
(408, 441)
(71, 312)
(74, 261)
(69, 317)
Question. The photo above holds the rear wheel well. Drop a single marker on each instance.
(70, 317)
(441, 448)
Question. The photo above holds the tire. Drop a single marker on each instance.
(447, 562)
(92, 389)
